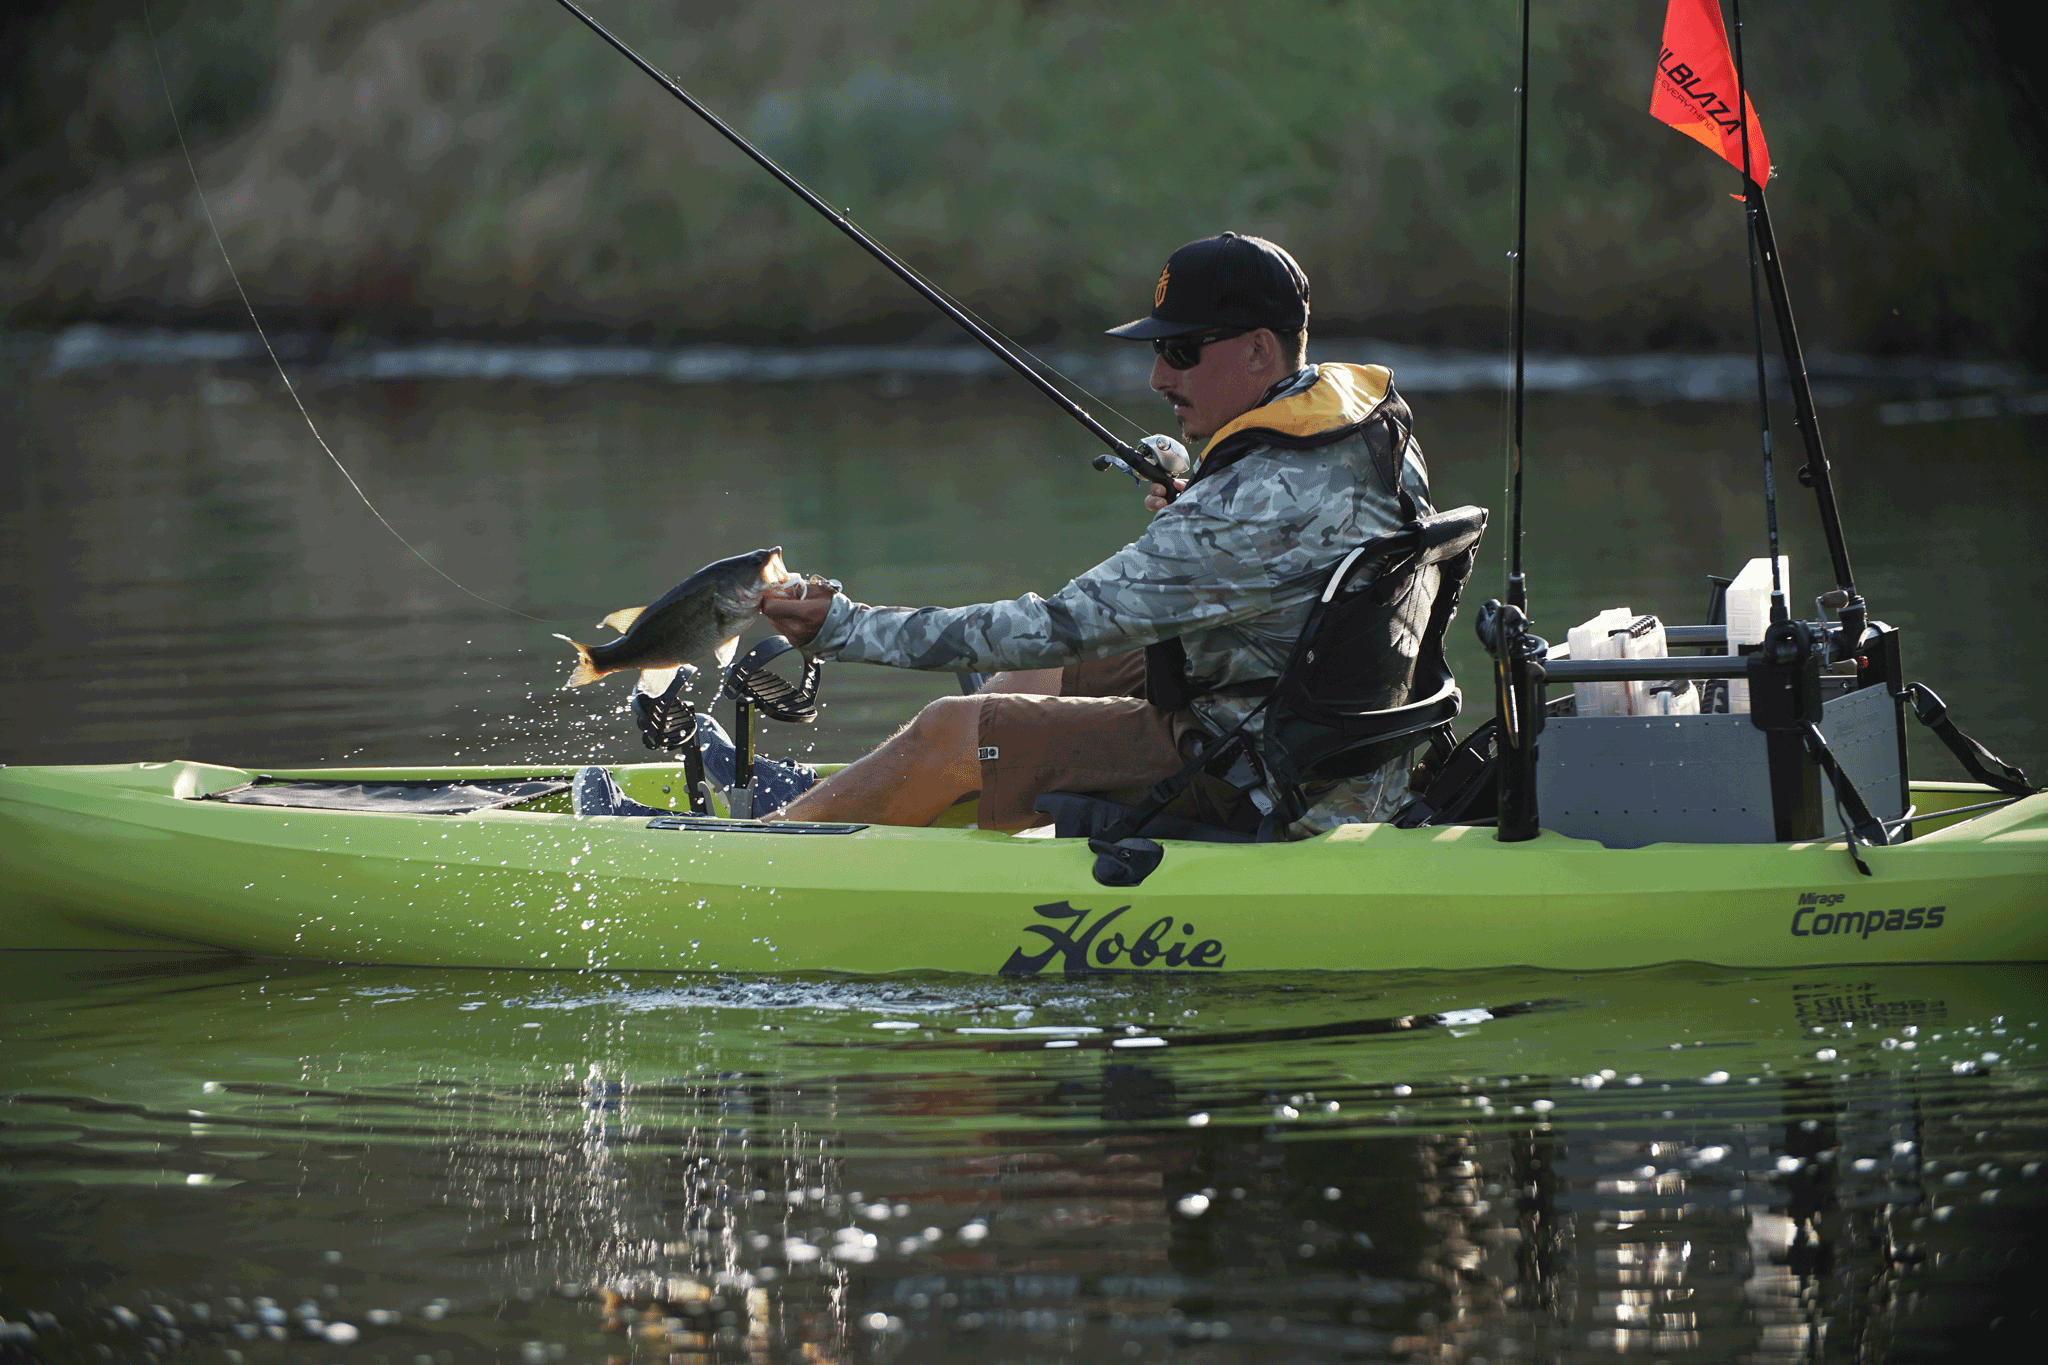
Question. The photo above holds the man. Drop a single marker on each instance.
(1301, 463)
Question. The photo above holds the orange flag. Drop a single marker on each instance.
(1695, 87)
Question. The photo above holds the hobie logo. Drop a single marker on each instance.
(1159, 294)
(1083, 947)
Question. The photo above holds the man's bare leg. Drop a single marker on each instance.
(913, 776)
(921, 770)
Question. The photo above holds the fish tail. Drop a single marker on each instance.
(587, 670)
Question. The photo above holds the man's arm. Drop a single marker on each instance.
(800, 616)
(1196, 567)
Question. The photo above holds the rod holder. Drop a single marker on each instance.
(1518, 679)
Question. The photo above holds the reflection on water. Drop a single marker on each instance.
(261, 1162)
(191, 578)
(316, 1164)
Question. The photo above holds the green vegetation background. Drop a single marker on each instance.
(484, 166)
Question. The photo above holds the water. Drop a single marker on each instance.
(1676, 1164)
(245, 1162)
(193, 579)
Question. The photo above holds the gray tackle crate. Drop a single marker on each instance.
(1628, 781)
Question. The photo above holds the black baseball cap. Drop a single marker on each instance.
(1226, 281)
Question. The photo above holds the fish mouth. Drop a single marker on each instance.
(772, 574)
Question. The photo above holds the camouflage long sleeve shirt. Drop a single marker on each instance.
(1231, 567)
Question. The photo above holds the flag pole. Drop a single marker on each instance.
(1815, 474)
(1756, 318)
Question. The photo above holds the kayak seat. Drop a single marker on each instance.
(1367, 681)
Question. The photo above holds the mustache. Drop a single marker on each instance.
(1175, 397)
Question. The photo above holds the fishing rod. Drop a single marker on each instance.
(1140, 462)
(1518, 586)
(1504, 628)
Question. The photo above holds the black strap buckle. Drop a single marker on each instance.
(1978, 761)
(1927, 704)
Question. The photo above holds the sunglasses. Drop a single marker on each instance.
(1184, 353)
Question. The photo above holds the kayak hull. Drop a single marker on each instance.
(128, 856)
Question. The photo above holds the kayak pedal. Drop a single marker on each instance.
(668, 724)
(750, 682)
(756, 691)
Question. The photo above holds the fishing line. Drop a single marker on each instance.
(178, 127)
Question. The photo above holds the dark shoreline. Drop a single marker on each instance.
(1939, 389)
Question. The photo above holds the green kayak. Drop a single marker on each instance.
(180, 855)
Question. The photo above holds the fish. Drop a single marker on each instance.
(704, 614)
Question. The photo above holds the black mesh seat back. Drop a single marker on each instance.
(1369, 678)
(1366, 658)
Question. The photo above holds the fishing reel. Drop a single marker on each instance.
(1155, 459)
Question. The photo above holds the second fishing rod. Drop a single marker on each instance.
(1148, 461)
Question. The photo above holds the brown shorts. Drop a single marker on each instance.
(1099, 735)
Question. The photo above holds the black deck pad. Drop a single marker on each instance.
(714, 825)
(407, 797)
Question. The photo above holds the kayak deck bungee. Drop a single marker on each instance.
(132, 856)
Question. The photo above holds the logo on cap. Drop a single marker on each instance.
(1159, 294)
